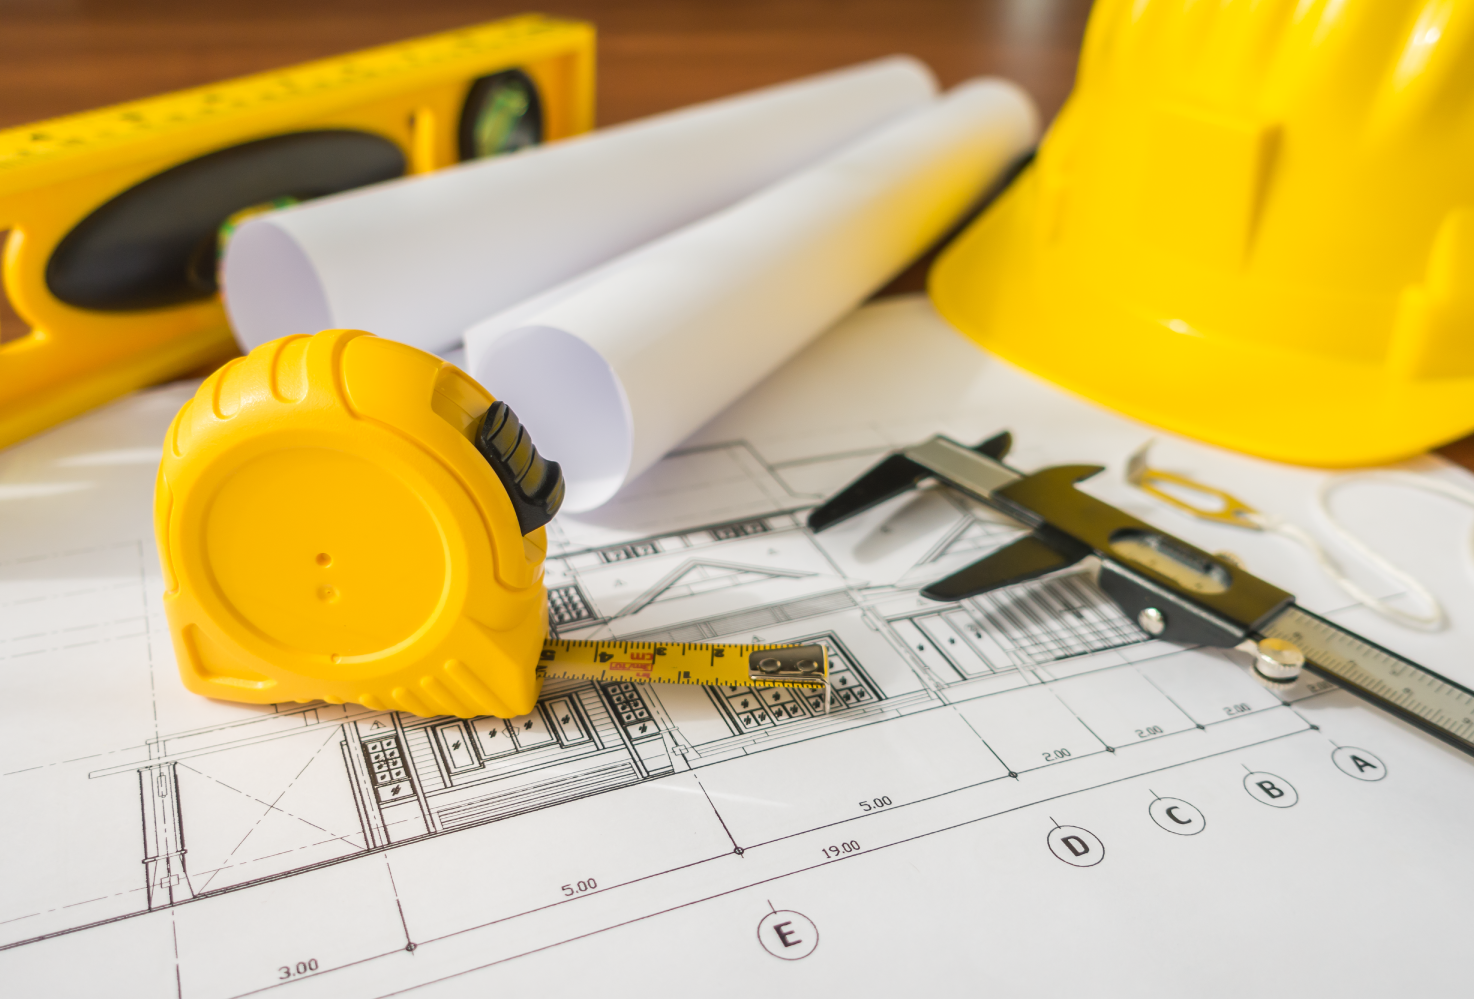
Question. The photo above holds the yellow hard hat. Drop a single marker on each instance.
(1252, 223)
(351, 519)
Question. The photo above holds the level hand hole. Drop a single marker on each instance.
(12, 326)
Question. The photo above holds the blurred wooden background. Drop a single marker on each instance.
(61, 56)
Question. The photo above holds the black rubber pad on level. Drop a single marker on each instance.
(156, 243)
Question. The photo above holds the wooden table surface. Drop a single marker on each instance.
(62, 56)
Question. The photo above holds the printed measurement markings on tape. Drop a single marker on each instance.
(804, 666)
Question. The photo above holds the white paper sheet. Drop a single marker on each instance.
(158, 844)
(420, 259)
(613, 369)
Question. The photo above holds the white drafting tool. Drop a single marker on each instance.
(1015, 795)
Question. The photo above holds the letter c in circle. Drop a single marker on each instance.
(1178, 817)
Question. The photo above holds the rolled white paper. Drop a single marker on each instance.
(613, 368)
(421, 258)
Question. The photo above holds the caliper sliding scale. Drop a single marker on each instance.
(1172, 590)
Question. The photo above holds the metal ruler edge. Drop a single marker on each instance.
(1393, 682)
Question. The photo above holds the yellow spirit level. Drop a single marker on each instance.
(114, 215)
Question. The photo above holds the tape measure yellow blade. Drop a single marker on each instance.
(805, 666)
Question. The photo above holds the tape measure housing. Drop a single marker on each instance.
(334, 525)
(329, 531)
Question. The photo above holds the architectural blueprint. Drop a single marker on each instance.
(1018, 794)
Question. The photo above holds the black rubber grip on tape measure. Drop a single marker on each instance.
(534, 484)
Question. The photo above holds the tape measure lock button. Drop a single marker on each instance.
(534, 484)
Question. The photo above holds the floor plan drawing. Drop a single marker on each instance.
(225, 807)
(214, 850)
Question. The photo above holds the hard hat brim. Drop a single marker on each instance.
(1008, 284)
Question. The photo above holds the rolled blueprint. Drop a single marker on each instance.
(421, 258)
(613, 368)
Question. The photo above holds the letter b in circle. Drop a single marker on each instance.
(1270, 790)
(1075, 846)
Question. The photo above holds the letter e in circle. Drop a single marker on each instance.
(1359, 763)
(1270, 790)
(788, 935)
(1075, 846)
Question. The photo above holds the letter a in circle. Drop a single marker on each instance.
(1359, 763)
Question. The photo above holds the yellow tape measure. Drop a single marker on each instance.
(706, 665)
(345, 518)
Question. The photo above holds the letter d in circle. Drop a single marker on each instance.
(1075, 846)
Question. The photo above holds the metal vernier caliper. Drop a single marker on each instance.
(1172, 590)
